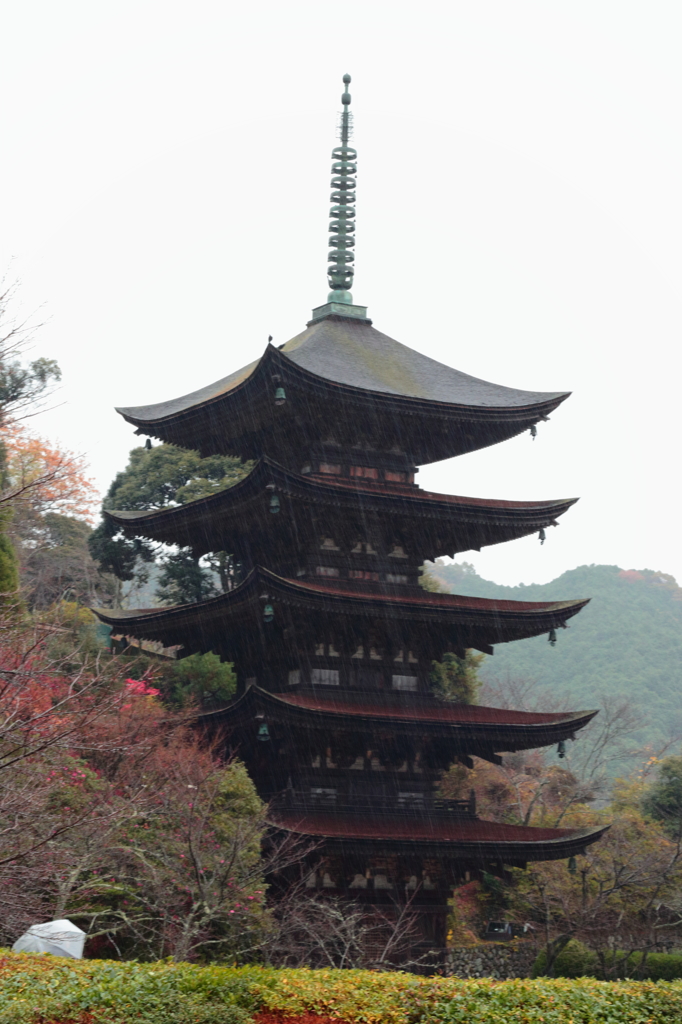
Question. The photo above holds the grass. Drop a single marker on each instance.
(38, 989)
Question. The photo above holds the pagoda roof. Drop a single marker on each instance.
(349, 362)
(232, 620)
(239, 518)
(469, 726)
(468, 840)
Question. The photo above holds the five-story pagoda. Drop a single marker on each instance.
(330, 632)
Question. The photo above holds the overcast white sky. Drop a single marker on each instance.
(165, 187)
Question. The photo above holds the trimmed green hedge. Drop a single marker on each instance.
(48, 990)
(42, 989)
(659, 966)
(577, 961)
(574, 961)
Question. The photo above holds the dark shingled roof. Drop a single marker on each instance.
(470, 729)
(441, 712)
(232, 618)
(357, 355)
(238, 518)
(361, 356)
(475, 839)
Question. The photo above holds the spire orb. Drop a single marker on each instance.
(339, 295)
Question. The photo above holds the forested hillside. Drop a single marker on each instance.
(627, 641)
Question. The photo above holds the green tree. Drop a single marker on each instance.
(201, 677)
(183, 579)
(427, 581)
(9, 563)
(663, 800)
(9, 566)
(22, 385)
(116, 554)
(455, 678)
(165, 475)
(161, 477)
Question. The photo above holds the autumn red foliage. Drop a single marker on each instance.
(114, 810)
(44, 477)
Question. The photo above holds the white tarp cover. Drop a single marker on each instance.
(62, 938)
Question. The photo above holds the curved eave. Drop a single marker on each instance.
(239, 416)
(471, 841)
(239, 515)
(211, 624)
(469, 728)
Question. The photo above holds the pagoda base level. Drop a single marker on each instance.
(398, 929)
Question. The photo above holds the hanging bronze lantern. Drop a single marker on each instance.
(263, 732)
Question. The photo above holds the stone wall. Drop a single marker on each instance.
(512, 959)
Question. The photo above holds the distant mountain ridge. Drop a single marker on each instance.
(627, 641)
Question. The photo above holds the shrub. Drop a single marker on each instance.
(654, 966)
(577, 961)
(45, 990)
(36, 988)
(663, 966)
(560, 1001)
(574, 961)
(188, 1010)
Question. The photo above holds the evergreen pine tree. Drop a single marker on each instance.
(9, 566)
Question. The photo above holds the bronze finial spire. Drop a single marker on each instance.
(342, 224)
